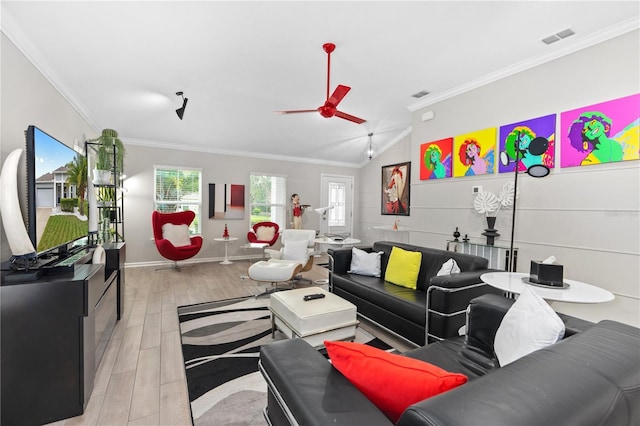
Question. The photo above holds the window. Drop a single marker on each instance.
(337, 194)
(179, 189)
(268, 199)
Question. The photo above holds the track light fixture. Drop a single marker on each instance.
(180, 111)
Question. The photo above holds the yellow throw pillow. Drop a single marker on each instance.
(403, 267)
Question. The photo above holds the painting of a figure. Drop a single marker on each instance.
(436, 159)
(396, 180)
(601, 133)
(474, 153)
(533, 141)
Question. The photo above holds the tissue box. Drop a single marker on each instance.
(546, 273)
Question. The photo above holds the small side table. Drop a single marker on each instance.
(577, 292)
(498, 256)
(251, 246)
(226, 242)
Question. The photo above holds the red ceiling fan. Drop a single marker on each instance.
(329, 108)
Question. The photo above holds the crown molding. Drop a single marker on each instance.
(599, 37)
(264, 156)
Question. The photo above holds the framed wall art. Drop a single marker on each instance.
(226, 201)
(474, 153)
(601, 133)
(396, 188)
(535, 140)
(435, 159)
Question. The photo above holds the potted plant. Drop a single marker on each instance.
(104, 162)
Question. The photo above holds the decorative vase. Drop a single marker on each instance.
(225, 234)
(491, 233)
(456, 234)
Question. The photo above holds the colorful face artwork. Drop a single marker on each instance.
(436, 159)
(474, 153)
(601, 133)
(532, 140)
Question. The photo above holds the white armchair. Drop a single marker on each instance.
(297, 245)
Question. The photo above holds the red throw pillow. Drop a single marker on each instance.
(392, 382)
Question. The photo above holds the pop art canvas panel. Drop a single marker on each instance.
(601, 133)
(396, 189)
(474, 153)
(534, 140)
(435, 159)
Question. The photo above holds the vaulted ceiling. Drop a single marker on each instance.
(120, 63)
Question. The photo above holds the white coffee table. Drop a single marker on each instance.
(329, 318)
(577, 292)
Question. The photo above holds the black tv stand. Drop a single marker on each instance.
(54, 333)
(62, 262)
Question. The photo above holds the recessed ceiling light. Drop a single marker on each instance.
(420, 94)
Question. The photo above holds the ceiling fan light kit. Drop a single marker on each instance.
(180, 111)
(330, 107)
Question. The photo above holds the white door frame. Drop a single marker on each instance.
(349, 197)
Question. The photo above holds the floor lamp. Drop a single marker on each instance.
(536, 147)
(322, 211)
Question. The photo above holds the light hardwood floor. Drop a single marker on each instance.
(141, 379)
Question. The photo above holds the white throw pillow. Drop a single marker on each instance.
(364, 263)
(530, 324)
(449, 267)
(295, 250)
(178, 235)
(265, 233)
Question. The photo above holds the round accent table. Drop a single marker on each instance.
(324, 243)
(577, 292)
(226, 242)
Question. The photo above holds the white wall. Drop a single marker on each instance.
(302, 178)
(588, 217)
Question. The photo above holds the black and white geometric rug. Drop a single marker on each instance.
(221, 346)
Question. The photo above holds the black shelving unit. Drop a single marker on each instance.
(109, 197)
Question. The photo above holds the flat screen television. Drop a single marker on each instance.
(57, 212)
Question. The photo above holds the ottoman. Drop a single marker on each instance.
(273, 272)
(317, 320)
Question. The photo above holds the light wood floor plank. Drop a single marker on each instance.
(146, 389)
(172, 368)
(127, 359)
(117, 400)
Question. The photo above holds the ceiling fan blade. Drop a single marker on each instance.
(296, 111)
(338, 94)
(349, 117)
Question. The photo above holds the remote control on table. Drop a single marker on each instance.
(313, 296)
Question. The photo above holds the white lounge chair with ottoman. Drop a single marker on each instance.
(297, 245)
(274, 272)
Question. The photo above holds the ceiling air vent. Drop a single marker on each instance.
(420, 94)
(558, 36)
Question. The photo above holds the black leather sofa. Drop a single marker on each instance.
(402, 310)
(592, 376)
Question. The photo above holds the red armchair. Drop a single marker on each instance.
(254, 234)
(183, 246)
